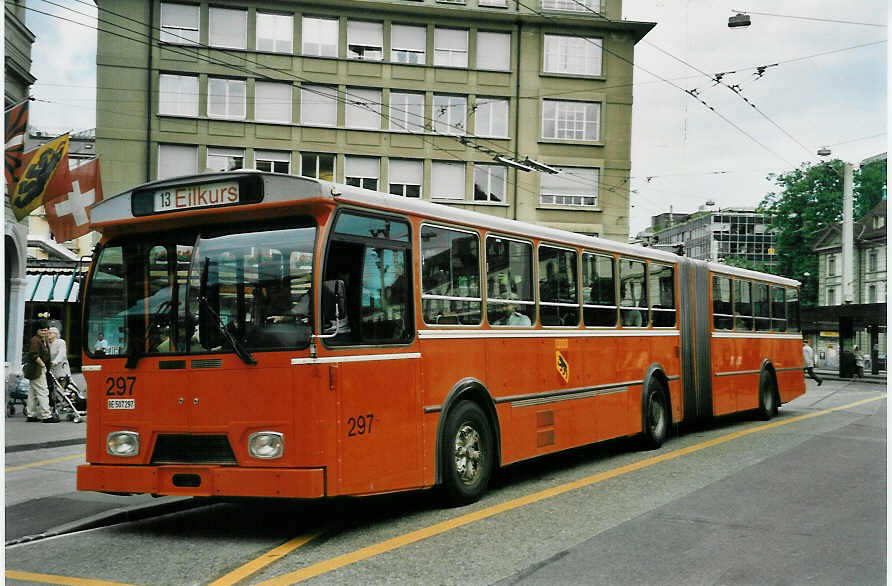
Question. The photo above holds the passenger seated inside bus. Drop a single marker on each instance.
(510, 315)
(629, 314)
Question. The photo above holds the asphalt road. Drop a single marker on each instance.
(800, 500)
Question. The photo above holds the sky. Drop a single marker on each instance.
(825, 86)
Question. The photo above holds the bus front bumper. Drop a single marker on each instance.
(303, 483)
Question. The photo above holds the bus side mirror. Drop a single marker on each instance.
(334, 299)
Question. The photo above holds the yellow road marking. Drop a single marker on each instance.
(53, 579)
(261, 562)
(448, 525)
(44, 462)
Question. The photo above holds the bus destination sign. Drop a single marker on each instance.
(196, 196)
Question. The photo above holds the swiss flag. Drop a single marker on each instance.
(69, 214)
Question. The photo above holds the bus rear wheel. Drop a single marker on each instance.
(655, 417)
(467, 454)
(767, 403)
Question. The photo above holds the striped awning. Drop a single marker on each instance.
(51, 287)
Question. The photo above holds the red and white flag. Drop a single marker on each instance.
(16, 119)
(69, 214)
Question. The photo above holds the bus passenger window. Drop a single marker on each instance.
(558, 297)
(598, 290)
(509, 282)
(743, 306)
(778, 310)
(106, 312)
(633, 294)
(450, 277)
(722, 316)
(662, 295)
(762, 307)
(792, 303)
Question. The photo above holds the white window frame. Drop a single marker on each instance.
(234, 101)
(273, 108)
(171, 155)
(317, 156)
(405, 173)
(366, 169)
(493, 3)
(490, 178)
(450, 114)
(275, 29)
(570, 120)
(327, 99)
(490, 115)
(313, 31)
(362, 108)
(273, 157)
(178, 95)
(493, 51)
(573, 5)
(217, 16)
(216, 153)
(569, 188)
(441, 173)
(180, 32)
(405, 113)
(367, 38)
(403, 45)
(450, 47)
(569, 55)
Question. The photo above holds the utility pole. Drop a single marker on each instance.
(848, 240)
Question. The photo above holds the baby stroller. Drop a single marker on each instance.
(17, 394)
(66, 399)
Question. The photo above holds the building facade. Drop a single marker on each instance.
(18, 79)
(421, 98)
(731, 234)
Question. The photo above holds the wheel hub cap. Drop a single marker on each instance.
(468, 454)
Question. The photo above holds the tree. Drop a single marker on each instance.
(809, 199)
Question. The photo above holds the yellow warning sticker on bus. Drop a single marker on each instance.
(563, 367)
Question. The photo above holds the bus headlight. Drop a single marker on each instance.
(122, 443)
(266, 445)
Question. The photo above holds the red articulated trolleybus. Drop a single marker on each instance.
(278, 336)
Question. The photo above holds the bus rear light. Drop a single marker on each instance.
(266, 445)
(122, 443)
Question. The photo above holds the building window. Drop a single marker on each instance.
(275, 32)
(225, 159)
(490, 182)
(228, 28)
(450, 47)
(177, 159)
(408, 44)
(573, 55)
(570, 120)
(573, 5)
(494, 51)
(318, 166)
(320, 37)
(226, 98)
(273, 161)
(179, 23)
(318, 105)
(447, 180)
(872, 261)
(272, 101)
(491, 117)
(406, 111)
(362, 171)
(449, 114)
(365, 40)
(872, 294)
(178, 95)
(831, 296)
(831, 265)
(572, 186)
(363, 108)
(405, 177)
(493, 3)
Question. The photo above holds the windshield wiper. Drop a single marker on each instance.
(240, 350)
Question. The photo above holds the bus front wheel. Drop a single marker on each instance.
(655, 417)
(467, 454)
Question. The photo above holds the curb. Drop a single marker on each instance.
(44, 445)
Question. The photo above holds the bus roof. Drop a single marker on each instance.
(278, 188)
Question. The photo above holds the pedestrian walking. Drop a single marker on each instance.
(37, 360)
(808, 355)
(859, 361)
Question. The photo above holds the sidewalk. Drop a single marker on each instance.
(21, 436)
(833, 374)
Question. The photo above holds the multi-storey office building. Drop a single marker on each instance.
(421, 98)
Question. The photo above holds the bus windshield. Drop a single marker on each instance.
(203, 290)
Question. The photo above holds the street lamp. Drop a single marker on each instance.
(739, 20)
(824, 152)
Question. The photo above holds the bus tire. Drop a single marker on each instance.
(767, 397)
(468, 454)
(655, 418)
